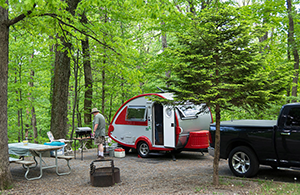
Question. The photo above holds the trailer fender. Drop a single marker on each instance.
(145, 139)
(110, 129)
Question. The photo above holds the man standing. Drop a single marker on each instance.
(99, 131)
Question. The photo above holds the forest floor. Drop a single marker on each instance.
(191, 173)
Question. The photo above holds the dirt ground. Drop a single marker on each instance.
(191, 173)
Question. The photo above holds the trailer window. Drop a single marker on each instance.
(191, 110)
(136, 113)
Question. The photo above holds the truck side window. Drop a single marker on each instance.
(136, 113)
(293, 117)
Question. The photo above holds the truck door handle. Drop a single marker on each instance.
(285, 133)
(172, 124)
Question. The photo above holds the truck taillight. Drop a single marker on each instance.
(210, 139)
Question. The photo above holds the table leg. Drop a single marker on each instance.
(65, 173)
(57, 166)
(41, 169)
(75, 149)
(81, 150)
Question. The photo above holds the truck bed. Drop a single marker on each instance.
(255, 133)
(248, 123)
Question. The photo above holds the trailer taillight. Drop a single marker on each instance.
(110, 129)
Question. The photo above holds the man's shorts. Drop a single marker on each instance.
(99, 140)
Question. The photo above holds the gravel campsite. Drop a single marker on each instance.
(191, 173)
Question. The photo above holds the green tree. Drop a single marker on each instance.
(292, 46)
(5, 23)
(219, 63)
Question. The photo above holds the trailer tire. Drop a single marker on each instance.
(143, 149)
(243, 162)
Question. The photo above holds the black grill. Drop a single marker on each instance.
(83, 132)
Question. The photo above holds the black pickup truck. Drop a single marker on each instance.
(248, 143)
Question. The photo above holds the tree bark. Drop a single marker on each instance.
(33, 123)
(293, 48)
(76, 67)
(59, 111)
(88, 95)
(5, 175)
(88, 79)
(33, 116)
(164, 46)
(104, 72)
(217, 147)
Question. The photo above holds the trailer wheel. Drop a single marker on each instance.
(143, 149)
(243, 162)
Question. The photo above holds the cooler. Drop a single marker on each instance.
(60, 152)
(119, 152)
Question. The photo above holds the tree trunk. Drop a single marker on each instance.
(217, 147)
(33, 116)
(88, 95)
(103, 72)
(19, 112)
(293, 47)
(110, 108)
(5, 175)
(79, 122)
(59, 111)
(76, 67)
(19, 125)
(103, 89)
(33, 123)
(164, 45)
(88, 78)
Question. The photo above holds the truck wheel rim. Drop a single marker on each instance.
(240, 162)
(144, 149)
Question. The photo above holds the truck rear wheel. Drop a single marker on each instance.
(243, 162)
(143, 149)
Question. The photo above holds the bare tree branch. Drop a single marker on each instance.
(20, 17)
(81, 31)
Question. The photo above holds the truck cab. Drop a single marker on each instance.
(288, 135)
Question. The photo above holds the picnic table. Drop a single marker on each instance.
(36, 150)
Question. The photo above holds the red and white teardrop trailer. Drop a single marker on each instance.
(150, 126)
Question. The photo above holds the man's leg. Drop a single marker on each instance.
(100, 149)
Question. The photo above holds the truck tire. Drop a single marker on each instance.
(143, 149)
(243, 162)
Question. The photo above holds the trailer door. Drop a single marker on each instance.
(169, 127)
